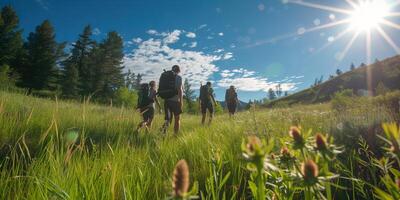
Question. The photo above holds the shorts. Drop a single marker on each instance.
(207, 106)
(232, 107)
(172, 108)
(147, 113)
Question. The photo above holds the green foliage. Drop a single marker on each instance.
(43, 52)
(381, 89)
(218, 108)
(189, 97)
(343, 99)
(95, 153)
(6, 81)
(10, 36)
(125, 97)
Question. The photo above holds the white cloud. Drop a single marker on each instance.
(96, 31)
(221, 34)
(191, 35)
(219, 50)
(210, 37)
(193, 45)
(202, 26)
(247, 80)
(137, 40)
(228, 56)
(172, 37)
(152, 32)
(154, 55)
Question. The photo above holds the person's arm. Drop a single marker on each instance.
(213, 99)
(180, 95)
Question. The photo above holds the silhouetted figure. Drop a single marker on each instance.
(231, 100)
(146, 104)
(207, 102)
(170, 89)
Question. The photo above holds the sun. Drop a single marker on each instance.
(368, 15)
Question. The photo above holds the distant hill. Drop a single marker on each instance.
(386, 72)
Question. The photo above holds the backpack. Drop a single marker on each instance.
(144, 96)
(166, 88)
(204, 93)
(230, 96)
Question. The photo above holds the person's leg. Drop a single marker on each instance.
(150, 117)
(203, 113)
(211, 111)
(167, 114)
(177, 123)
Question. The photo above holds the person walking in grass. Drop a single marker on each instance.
(146, 104)
(231, 100)
(207, 102)
(171, 90)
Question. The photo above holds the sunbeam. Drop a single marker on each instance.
(388, 40)
(349, 45)
(319, 6)
(363, 16)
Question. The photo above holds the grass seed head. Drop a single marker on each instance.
(309, 170)
(180, 180)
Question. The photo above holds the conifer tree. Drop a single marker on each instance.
(43, 52)
(10, 36)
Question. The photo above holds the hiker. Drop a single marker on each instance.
(206, 102)
(146, 103)
(231, 100)
(170, 89)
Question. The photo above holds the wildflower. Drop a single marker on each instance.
(398, 183)
(297, 137)
(253, 148)
(253, 143)
(320, 142)
(309, 170)
(180, 180)
(295, 133)
(285, 151)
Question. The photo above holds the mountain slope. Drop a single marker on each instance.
(386, 72)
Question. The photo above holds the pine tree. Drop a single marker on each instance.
(138, 81)
(352, 67)
(128, 80)
(271, 94)
(107, 65)
(77, 75)
(70, 84)
(321, 79)
(188, 95)
(10, 36)
(43, 52)
(338, 72)
(279, 90)
(81, 52)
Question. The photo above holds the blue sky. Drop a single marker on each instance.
(254, 45)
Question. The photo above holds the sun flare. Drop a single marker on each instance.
(368, 15)
(360, 16)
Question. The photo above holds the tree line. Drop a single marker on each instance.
(41, 64)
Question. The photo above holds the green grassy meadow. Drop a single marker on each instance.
(54, 149)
